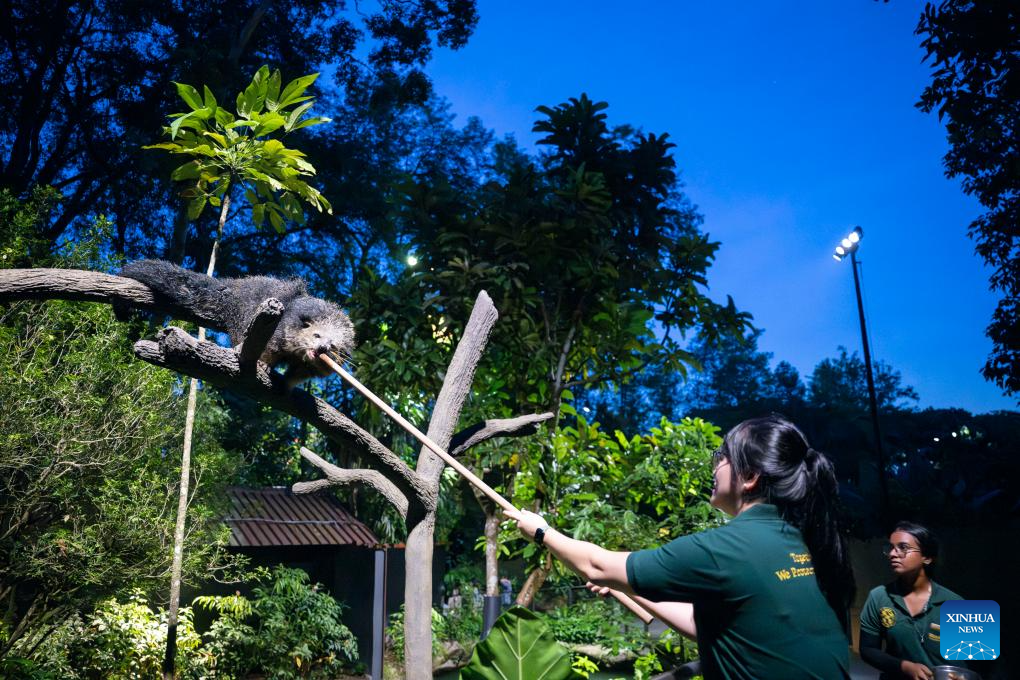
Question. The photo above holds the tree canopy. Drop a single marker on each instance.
(86, 85)
(974, 51)
(83, 511)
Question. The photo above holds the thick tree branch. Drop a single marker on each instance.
(178, 351)
(337, 476)
(521, 426)
(75, 284)
(457, 384)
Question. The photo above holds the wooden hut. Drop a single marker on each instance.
(314, 532)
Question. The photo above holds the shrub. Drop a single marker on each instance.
(119, 640)
(395, 633)
(289, 629)
(585, 623)
(463, 625)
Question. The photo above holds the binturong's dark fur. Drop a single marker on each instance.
(310, 326)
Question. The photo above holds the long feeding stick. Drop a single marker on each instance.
(627, 602)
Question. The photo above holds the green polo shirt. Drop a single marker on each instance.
(757, 605)
(885, 614)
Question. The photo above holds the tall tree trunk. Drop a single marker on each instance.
(536, 579)
(418, 554)
(170, 657)
(491, 549)
(418, 600)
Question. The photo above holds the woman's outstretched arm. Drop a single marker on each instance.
(677, 615)
(592, 562)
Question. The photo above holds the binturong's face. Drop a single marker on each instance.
(904, 554)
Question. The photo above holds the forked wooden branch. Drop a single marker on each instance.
(471, 477)
(337, 476)
(476, 434)
(521, 426)
(419, 435)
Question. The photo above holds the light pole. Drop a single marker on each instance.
(849, 246)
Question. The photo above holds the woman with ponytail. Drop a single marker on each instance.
(766, 595)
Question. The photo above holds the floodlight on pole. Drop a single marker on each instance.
(850, 245)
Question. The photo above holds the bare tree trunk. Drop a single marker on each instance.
(249, 29)
(491, 550)
(170, 657)
(418, 555)
(22, 626)
(536, 579)
(418, 600)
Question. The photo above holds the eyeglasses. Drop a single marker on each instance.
(718, 458)
(901, 549)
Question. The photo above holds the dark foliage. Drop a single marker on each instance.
(974, 51)
(87, 84)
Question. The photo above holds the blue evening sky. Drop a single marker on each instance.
(793, 123)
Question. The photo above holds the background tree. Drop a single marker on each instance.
(70, 69)
(235, 153)
(590, 251)
(840, 384)
(975, 88)
(734, 374)
(83, 512)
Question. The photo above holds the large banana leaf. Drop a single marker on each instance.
(520, 646)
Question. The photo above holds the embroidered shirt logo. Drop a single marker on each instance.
(888, 617)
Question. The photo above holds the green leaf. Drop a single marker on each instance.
(273, 91)
(189, 170)
(273, 147)
(254, 96)
(258, 215)
(195, 207)
(296, 113)
(269, 123)
(176, 125)
(224, 117)
(275, 219)
(520, 646)
(296, 88)
(210, 100)
(190, 96)
(308, 122)
(220, 139)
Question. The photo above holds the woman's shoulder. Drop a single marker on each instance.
(881, 591)
(942, 594)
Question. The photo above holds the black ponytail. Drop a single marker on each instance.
(801, 483)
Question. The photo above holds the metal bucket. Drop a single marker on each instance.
(954, 673)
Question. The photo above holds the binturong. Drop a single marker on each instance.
(309, 326)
